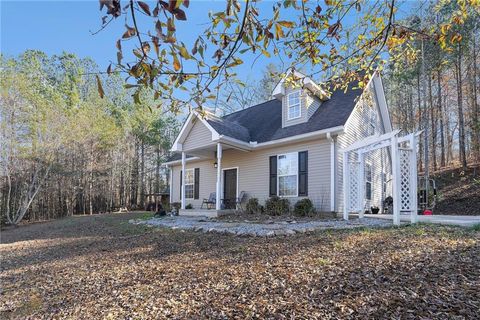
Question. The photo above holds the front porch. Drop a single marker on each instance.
(209, 213)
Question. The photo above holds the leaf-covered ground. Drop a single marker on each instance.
(102, 267)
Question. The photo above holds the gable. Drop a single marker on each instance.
(198, 136)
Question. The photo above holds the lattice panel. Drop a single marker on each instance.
(354, 186)
(406, 200)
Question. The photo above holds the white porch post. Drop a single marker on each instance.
(345, 186)
(413, 181)
(170, 182)
(396, 182)
(361, 185)
(218, 197)
(332, 172)
(183, 180)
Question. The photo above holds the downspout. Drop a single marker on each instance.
(332, 171)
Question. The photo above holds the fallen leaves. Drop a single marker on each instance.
(103, 267)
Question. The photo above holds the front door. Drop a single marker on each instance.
(229, 188)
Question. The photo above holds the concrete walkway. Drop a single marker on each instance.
(463, 221)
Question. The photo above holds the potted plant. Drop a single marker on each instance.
(375, 210)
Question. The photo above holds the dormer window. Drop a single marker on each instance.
(294, 107)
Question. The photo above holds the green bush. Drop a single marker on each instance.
(189, 206)
(253, 206)
(276, 206)
(304, 208)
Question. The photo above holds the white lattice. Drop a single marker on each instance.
(354, 186)
(405, 180)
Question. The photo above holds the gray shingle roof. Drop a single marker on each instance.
(263, 122)
(176, 156)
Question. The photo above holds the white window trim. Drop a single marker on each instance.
(369, 181)
(286, 175)
(299, 104)
(188, 184)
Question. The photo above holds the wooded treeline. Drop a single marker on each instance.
(437, 89)
(66, 151)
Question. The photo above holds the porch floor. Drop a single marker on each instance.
(210, 213)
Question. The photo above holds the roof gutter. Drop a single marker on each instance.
(300, 137)
(180, 161)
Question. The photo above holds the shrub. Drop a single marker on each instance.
(176, 206)
(276, 206)
(189, 206)
(253, 206)
(304, 207)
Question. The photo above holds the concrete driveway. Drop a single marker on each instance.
(463, 221)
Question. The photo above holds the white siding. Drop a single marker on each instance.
(313, 103)
(199, 136)
(358, 128)
(254, 172)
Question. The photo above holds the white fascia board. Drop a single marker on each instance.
(235, 142)
(176, 143)
(300, 137)
(176, 147)
(382, 101)
(175, 162)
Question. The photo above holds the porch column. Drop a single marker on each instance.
(361, 184)
(396, 182)
(345, 186)
(183, 179)
(332, 172)
(170, 184)
(218, 197)
(413, 181)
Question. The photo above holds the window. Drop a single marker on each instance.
(287, 172)
(294, 105)
(368, 181)
(189, 183)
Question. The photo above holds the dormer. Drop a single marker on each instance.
(300, 97)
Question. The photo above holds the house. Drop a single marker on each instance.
(289, 146)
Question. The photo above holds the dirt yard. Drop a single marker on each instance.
(97, 267)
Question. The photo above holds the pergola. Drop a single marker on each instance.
(403, 155)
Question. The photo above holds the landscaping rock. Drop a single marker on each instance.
(268, 228)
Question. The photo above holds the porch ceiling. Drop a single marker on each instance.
(208, 151)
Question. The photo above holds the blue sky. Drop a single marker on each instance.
(57, 26)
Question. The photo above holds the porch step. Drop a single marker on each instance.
(210, 213)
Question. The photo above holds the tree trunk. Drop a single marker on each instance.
(441, 113)
(432, 120)
(475, 107)
(419, 121)
(90, 184)
(461, 122)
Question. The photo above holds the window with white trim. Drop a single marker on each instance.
(287, 174)
(294, 105)
(189, 183)
(368, 181)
